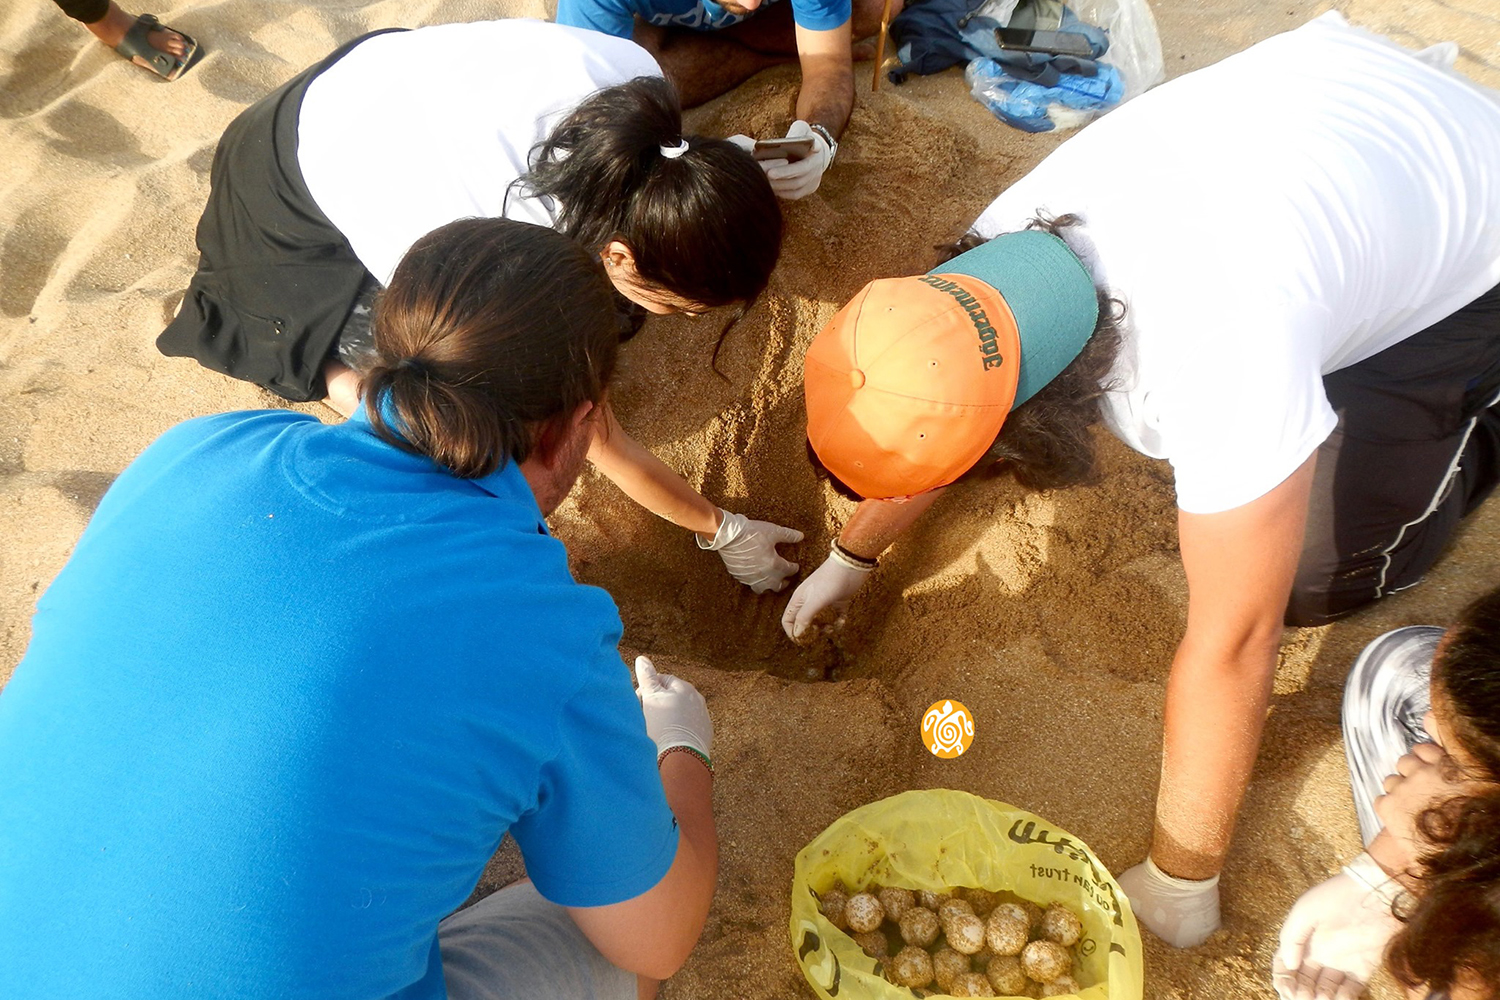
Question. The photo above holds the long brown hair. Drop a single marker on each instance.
(1450, 938)
(1047, 442)
(490, 330)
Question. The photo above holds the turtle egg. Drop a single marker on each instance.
(912, 967)
(1045, 961)
(864, 912)
(918, 926)
(1005, 932)
(1060, 924)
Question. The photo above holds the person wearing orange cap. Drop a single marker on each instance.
(1318, 357)
(911, 384)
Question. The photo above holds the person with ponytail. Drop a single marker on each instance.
(1422, 735)
(319, 189)
(298, 680)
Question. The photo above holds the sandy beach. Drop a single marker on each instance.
(1052, 616)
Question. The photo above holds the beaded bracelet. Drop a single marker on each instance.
(684, 748)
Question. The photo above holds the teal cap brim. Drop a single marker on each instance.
(1050, 293)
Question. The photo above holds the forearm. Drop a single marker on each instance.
(828, 100)
(650, 482)
(827, 94)
(1239, 565)
(653, 934)
(689, 787)
(875, 524)
(1215, 712)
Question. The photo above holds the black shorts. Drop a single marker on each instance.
(279, 291)
(1417, 447)
(276, 280)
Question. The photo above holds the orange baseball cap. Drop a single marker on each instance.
(909, 384)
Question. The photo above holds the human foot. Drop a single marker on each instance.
(145, 41)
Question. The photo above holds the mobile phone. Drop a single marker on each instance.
(790, 150)
(1057, 43)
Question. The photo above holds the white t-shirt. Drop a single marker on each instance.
(414, 129)
(1283, 214)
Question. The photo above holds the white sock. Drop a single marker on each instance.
(1182, 912)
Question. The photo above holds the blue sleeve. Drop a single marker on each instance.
(601, 832)
(613, 17)
(814, 15)
(177, 442)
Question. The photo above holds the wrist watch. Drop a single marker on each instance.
(833, 145)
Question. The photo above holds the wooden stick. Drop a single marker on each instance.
(885, 22)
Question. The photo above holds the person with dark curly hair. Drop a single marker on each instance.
(1317, 356)
(1422, 735)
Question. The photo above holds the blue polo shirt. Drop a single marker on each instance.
(617, 17)
(278, 710)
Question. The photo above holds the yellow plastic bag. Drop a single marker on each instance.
(938, 839)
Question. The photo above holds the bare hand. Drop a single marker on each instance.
(1424, 778)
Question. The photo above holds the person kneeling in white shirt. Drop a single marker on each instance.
(1318, 358)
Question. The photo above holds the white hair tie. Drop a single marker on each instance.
(673, 152)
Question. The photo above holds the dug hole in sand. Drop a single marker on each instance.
(1052, 616)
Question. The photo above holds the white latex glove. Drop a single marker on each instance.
(743, 141)
(748, 549)
(676, 714)
(798, 180)
(831, 585)
(1334, 939)
(1182, 912)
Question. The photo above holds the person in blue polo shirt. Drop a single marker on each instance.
(297, 681)
(707, 48)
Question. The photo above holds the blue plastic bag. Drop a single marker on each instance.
(1029, 106)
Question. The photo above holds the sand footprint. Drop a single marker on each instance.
(39, 75)
(83, 487)
(33, 243)
(89, 133)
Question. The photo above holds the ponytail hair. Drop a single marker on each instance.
(702, 222)
(490, 331)
(1450, 940)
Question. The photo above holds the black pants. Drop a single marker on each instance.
(87, 11)
(278, 290)
(276, 280)
(1417, 447)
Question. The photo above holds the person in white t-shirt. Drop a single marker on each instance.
(319, 189)
(1293, 261)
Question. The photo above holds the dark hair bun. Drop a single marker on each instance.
(489, 330)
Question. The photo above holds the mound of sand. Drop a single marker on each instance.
(1052, 616)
